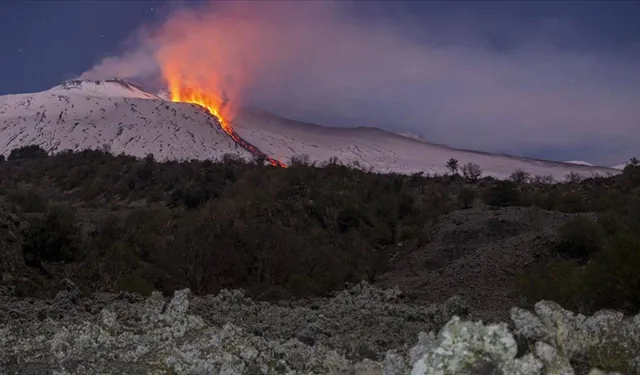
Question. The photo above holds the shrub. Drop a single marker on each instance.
(612, 278)
(54, 238)
(503, 194)
(28, 201)
(471, 171)
(572, 202)
(467, 196)
(559, 281)
(301, 286)
(27, 152)
(579, 238)
(520, 176)
(609, 281)
(631, 175)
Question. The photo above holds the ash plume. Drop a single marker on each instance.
(318, 62)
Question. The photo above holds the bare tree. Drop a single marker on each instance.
(471, 171)
(300, 160)
(520, 176)
(573, 178)
(543, 179)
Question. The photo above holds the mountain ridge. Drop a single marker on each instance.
(89, 114)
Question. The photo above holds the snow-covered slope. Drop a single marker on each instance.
(90, 114)
(382, 150)
(80, 115)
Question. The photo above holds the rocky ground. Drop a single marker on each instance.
(362, 331)
(476, 254)
(424, 316)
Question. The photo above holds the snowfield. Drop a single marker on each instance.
(127, 119)
(90, 115)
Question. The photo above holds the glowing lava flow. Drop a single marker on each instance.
(214, 105)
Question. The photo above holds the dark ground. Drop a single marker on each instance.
(477, 254)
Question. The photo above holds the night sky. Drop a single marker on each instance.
(43, 43)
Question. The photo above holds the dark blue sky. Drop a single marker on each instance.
(46, 42)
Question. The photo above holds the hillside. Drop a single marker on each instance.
(85, 235)
(125, 118)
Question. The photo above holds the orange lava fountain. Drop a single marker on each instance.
(216, 107)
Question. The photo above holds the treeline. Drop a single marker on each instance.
(117, 223)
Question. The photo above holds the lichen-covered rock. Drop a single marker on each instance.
(606, 336)
(473, 348)
(155, 337)
(124, 333)
(359, 321)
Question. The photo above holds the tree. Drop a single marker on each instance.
(452, 166)
(543, 179)
(260, 159)
(300, 160)
(573, 178)
(1, 158)
(471, 171)
(634, 161)
(520, 176)
(27, 152)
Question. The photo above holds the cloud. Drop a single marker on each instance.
(313, 61)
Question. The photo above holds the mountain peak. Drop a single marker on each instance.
(106, 88)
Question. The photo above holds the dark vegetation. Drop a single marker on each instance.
(117, 223)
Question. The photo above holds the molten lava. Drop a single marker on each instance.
(216, 107)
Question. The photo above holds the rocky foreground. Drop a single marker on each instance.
(363, 330)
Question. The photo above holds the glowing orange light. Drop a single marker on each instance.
(216, 107)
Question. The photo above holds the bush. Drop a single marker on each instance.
(471, 171)
(467, 196)
(631, 175)
(579, 238)
(609, 281)
(28, 201)
(28, 152)
(612, 278)
(503, 194)
(54, 238)
(559, 281)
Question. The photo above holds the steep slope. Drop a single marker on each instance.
(383, 151)
(89, 114)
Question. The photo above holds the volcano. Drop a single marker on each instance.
(124, 118)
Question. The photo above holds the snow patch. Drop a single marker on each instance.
(579, 162)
